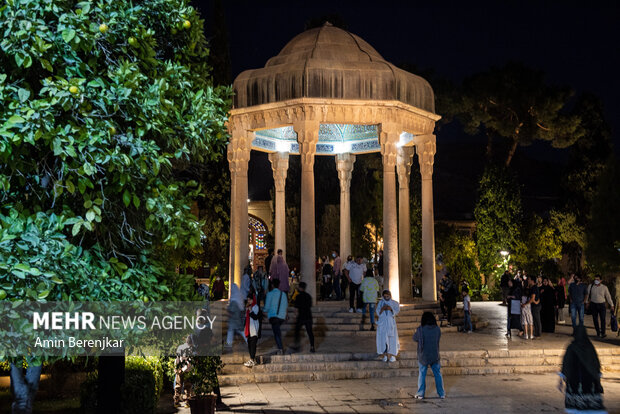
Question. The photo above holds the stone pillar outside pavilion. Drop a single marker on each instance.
(279, 165)
(344, 165)
(426, 147)
(238, 158)
(388, 138)
(307, 137)
(403, 168)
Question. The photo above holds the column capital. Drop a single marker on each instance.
(404, 159)
(344, 166)
(389, 135)
(279, 165)
(307, 137)
(426, 147)
(238, 152)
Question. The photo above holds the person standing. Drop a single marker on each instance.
(598, 294)
(182, 387)
(327, 274)
(279, 270)
(526, 313)
(268, 261)
(303, 303)
(246, 281)
(548, 306)
(581, 376)
(356, 271)
(467, 327)
(252, 327)
(503, 284)
(276, 307)
(535, 305)
(447, 296)
(345, 276)
(337, 273)
(369, 289)
(514, 307)
(427, 336)
(380, 265)
(236, 320)
(560, 296)
(577, 295)
(218, 288)
(387, 332)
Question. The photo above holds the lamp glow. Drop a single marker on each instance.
(283, 146)
(504, 253)
(342, 147)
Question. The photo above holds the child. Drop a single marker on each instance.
(369, 288)
(467, 327)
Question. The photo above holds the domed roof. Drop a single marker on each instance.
(328, 62)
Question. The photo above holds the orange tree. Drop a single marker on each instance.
(103, 105)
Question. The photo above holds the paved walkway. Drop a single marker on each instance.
(465, 394)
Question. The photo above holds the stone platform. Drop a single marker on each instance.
(344, 352)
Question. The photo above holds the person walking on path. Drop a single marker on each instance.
(548, 306)
(252, 327)
(598, 294)
(580, 378)
(355, 274)
(246, 281)
(369, 289)
(303, 303)
(387, 333)
(236, 309)
(427, 336)
(276, 307)
(337, 274)
(344, 283)
(467, 327)
(577, 295)
(560, 296)
(279, 270)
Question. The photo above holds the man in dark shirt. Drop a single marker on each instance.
(268, 260)
(577, 295)
(303, 303)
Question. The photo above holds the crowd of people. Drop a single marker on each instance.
(535, 305)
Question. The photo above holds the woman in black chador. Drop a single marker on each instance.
(581, 373)
(548, 305)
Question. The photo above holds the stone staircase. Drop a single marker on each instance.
(331, 319)
(341, 366)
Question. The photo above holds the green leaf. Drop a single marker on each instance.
(44, 294)
(23, 94)
(126, 198)
(76, 228)
(57, 280)
(136, 201)
(90, 215)
(15, 119)
(68, 35)
(88, 204)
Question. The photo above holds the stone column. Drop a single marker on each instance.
(403, 168)
(238, 158)
(388, 138)
(344, 165)
(426, 148)
(307, 136)
(279, 165)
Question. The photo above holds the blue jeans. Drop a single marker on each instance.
(371, 307)
(573, 314)
(436, 367)
(468, 326)
(277, 332)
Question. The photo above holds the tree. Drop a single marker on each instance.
(459, 255)
(603, 229)
(366, 205)
(328, 236)
(539, 243)
(498, 216)
(102, 107)
(515, 103)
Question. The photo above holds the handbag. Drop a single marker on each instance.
(614, 323)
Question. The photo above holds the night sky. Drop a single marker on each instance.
(574, 43)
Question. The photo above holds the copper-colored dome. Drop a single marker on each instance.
(329, 62)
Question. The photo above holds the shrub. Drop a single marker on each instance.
(141, 391)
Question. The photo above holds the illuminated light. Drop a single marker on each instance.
(342, 147)
(248, 200)
(283, 146)
(504, 253)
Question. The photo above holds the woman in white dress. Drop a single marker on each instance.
(387, 333)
